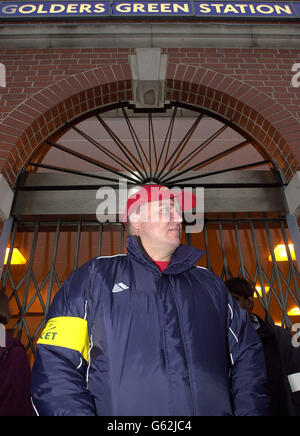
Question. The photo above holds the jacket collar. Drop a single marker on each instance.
(182, 259)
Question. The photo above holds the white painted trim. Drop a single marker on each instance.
(6, 198)
(292, 195)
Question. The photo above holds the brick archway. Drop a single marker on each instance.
(257, 114)
(32, 122)
(261, 117)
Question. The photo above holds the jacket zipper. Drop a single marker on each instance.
(182, 338)
(186, 354)
(162, 322)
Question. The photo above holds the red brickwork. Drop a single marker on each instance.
(251, 87)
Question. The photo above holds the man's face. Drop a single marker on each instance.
(160, 226)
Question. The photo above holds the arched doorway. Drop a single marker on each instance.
(181, 145)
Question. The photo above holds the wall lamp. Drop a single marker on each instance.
(17, 257)
(281, 254)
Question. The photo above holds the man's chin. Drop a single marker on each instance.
(174, 241)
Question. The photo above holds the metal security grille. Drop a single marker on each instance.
(234, 246)
(246, 249)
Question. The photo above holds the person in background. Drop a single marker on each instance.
(282, 358)
(148, 333)
(14, 370)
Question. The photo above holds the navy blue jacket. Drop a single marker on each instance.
(124, 339)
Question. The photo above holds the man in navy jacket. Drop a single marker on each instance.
(281, 356)
(148, 332)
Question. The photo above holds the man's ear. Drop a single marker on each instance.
(135, 223)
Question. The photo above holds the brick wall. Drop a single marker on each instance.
(268, 70)
(250, 86)
(29, 71)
